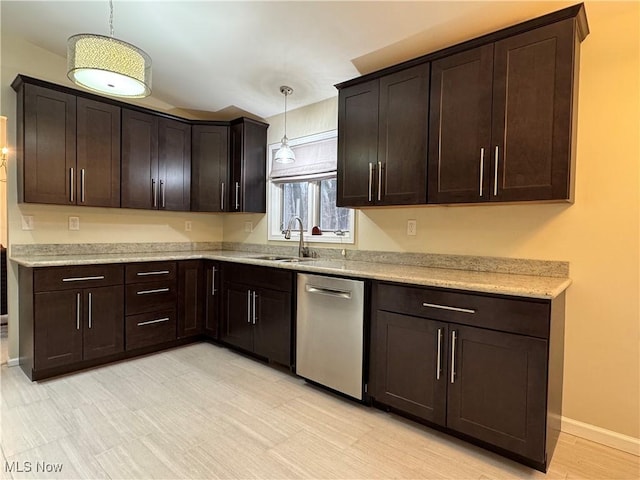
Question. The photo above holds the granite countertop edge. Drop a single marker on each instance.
(496, 283)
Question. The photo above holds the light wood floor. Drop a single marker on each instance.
(205, 412)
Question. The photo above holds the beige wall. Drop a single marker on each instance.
(598, 235)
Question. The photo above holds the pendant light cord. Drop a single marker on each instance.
(285, 113)
(111, 17)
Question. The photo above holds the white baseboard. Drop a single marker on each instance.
(601, 435)
(13, 362)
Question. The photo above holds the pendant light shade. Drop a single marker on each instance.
(108, 65)
(284, 153)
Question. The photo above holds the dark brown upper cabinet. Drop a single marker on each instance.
(209, 168)
(156, 162)
(248, 143)
(98, 154)
(382, 133)
(501, 119)
(76, 148)
(71, 149)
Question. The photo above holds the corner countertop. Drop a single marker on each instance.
(529, 286)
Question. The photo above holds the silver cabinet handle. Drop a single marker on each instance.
(162, 194)
(149, 322)
(155, 272)
(481, 169)
(155, 290)
(222, 196)
(237, 195)
(82, 185)
(495, 174)
(248, 306)
(213, 281)
(83, 279)
(332, 292)
(439, 355)
(370, 181)
(454, 338)
(153, 192)
(78, 311)
(90, 308)
(446, 307)
(72, 187)
(379, 181)
(255, 318)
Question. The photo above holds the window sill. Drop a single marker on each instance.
(324, 238)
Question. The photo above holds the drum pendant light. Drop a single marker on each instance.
(108, 65)
(284, 153)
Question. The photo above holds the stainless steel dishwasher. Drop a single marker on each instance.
(329, 332)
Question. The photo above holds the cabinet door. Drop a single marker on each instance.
(57, 328)
(190, 298)
(209, 168)
(140, 182)
(272, 325)
(532, 105)
(248, 159)
(49, 159)
(460, 127)
(497, 391)
(402, 137)
(103, 321)
(409, 355)
(237, 327)
(357, 144)
(212, 304)
(98, 162)
(174, 165)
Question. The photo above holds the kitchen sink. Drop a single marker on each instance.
(276, 258)
(273, 258)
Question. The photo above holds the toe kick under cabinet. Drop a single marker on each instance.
(486, 368)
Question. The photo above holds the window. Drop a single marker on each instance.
(307, 189)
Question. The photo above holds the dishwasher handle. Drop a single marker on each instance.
(332, 292)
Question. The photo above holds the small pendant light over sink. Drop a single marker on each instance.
(108, 65)
(284, 153)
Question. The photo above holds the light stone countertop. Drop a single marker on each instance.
(498, 283)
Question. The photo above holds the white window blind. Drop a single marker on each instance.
(314, 161)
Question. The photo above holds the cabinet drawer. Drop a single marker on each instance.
(259, 277)
(523, 316)
(150, 297)
(150, 272)
(150, 329)
(85, 276)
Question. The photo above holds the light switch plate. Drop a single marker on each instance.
(412, 227)
(248, 227)
(27, 222)
(187, 225)
(74, 223)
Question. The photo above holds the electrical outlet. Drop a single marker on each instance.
(248, 227)
(74, 223)
(411, 227)
(27, 222)
(187, 225)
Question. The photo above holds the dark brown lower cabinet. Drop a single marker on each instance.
(497, 387)
(70, 315)
(257, 311)
(190, 298)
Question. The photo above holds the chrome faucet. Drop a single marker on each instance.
(302, 250)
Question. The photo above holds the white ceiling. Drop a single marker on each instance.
(227, 57)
